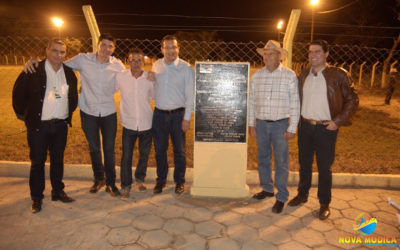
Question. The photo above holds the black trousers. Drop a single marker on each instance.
(52, 137)
(316, 139)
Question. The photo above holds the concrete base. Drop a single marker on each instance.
(219, 170)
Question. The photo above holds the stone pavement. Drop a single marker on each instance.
(169, 221)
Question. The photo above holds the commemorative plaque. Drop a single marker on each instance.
(221, 102)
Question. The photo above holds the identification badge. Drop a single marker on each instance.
(56, 93)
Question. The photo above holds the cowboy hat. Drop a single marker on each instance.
(271, 44)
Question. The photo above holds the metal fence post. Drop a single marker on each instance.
(373, 74)
(351, 67)
(289, 35)
(92, 24)
(392, 65)
(360, 76)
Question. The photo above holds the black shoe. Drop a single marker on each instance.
(324, 212)
(297, 201)
(179, 188)
(278, 206)
(158, 188)
(113, 190)
(262, 195)
(97, 185)
(61, 196)
(36, 206)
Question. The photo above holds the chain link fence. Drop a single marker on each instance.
(364, 63)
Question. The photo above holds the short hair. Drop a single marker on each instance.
(106, 36)
(56, 41)
(322, 43)
(135, 51)
(169, 38)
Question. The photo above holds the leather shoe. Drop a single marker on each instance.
(179, 188)
(61, 196)
(36, 206)
(297, 201)
(324, 212)
(97, 185)
(278, 206)
(262, 195)
(158, 188)
(113, 190)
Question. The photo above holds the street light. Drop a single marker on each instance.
(313, 3)
(279, 26)
(58, 22)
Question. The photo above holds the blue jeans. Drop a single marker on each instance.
(316, 139)
(128, 143)
(52, 137)
(270, 136)
(92, 126)
(165, 125)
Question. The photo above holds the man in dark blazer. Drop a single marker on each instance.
(45, 101)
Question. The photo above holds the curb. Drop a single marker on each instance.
(84, 172)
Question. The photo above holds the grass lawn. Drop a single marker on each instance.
(370, 145)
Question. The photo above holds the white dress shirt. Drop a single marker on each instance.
(315, 104)
(97, 80)
(55, 103)
(135, 110)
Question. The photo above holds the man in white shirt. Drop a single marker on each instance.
(45, 101)
(173, 99)
(328, 101)
(275, 110)
(136, 118)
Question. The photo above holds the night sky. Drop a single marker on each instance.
(364, 22)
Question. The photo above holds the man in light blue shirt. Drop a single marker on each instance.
(173, 99)
(98, 113)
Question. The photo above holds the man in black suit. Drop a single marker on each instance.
(45, 101)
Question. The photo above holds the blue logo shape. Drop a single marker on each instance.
(365, 225)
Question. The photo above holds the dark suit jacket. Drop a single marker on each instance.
(28, 95)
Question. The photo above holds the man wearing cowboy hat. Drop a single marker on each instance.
(273, 117)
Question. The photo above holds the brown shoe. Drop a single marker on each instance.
(61, 196)
(36, 206)
(97, 185)
(262, 195)
(113, 190)
(140, 186)
(297, 201)
(324, 212)
(158, 188)
(180, 188)
(278, 206)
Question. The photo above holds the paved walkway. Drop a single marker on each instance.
(168, 221)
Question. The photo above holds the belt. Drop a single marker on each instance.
(170, 111)
(312, 122)
(54, 121)
(275, 120)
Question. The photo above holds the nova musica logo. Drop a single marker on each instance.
(364, 225)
